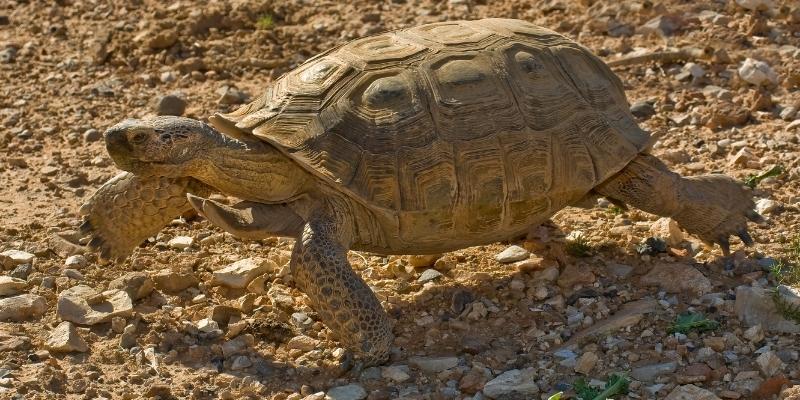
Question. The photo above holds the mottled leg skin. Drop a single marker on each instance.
(713, 207)
(128, 209)
(250, 220)
(345, 304)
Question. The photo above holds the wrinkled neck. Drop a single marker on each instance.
(253, 171)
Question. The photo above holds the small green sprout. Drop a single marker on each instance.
(688, 322)
(579, 246)
(753, 180)
(265, 22)
(617, 384)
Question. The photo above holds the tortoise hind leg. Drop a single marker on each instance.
(713, 207)
(346, 305)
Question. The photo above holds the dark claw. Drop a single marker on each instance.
(86, 227)
(752, 215)
(95, 243)
(725, 245)
(746, 238)
(105, 253)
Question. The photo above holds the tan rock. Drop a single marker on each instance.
(11, 286)
(677, 278)
(65, 338)
(22, 307)
(83, 305)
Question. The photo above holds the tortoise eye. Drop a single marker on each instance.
(139, 137)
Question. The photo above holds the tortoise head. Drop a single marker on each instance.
(162, 146)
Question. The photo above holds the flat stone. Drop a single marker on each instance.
(429, 275)
(422, 261)
(12, 258)
(229, 95)
(619, 271)
(137, 284)
(576, 274)
(649, 373)
(65, 338)
(11, 286)
(22, 307)
(690, 392)
(76, 261)
(180, 242)
(347, 392)
(83, 305)
(514, 383)
(397, 373)
(241, 362)
(629, 314)
(303, 343)
(512, 254)
(769, 363)
(677, 278)
(13, 342)
(174, 282)
(643, 109)
(755, 306)
(433, 365)
(240, 273)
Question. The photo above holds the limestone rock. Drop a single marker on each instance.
(240, 273)
(757, 72)
(666, 228)
(12, 258)
(512, 254)
(347, 392)
(690, 392)
(433, 365)
(755, 306)
(174, 282)
(11, 286)
(513, 384)
(137, 284)
(65, 338)
(22, 307)
(677, 278)
(83, 305)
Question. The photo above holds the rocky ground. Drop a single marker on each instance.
(197, 313)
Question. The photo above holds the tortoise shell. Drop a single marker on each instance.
(453, 129)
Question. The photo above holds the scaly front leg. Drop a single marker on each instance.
(343, 300)
(128, 209)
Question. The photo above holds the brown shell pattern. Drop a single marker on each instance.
(462, 126)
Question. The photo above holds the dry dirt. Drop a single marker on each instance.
(69, 69)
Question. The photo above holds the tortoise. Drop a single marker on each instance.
(417, 141)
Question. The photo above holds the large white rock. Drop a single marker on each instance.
(757, 72)
(512, 254)
(667, 229)
(240, 273)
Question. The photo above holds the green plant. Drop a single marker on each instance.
(787, 273)
(556, 396)
(579, 246)
(617, 384)
(688, 322)
(265, 22)
(753, 180)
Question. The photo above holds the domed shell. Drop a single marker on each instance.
(460, 126)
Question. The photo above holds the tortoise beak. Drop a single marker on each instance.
(118, 146)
